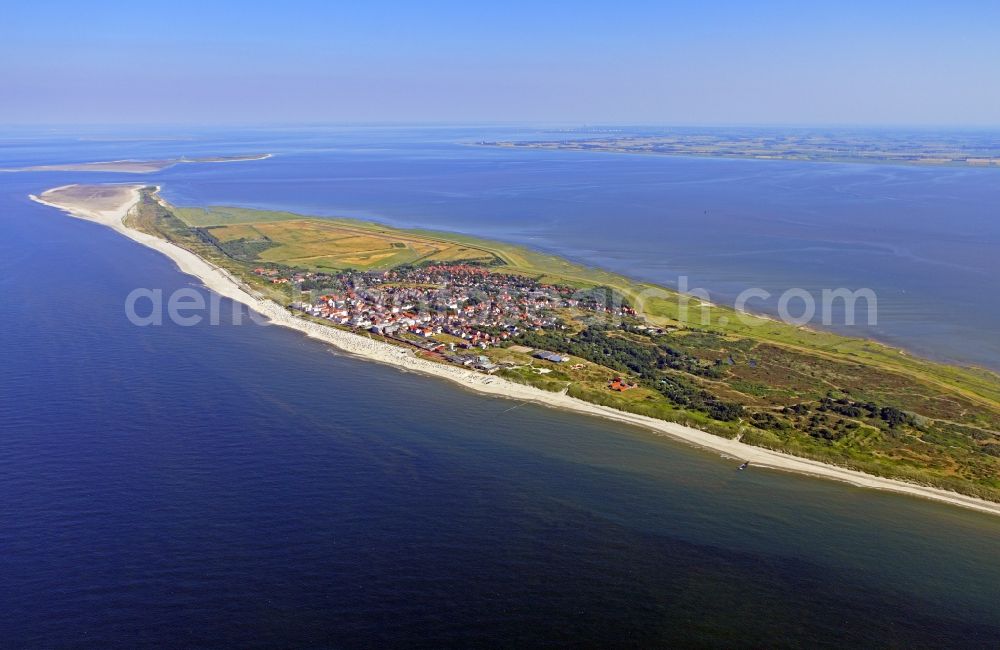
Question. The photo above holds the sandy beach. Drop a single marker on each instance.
(109, 204)
(135, 166)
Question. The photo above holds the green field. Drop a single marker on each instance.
(846, 401)
(325, 244)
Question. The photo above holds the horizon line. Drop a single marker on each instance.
(568, 124)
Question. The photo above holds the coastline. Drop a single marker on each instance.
(222, 283)
(136, 166)
(955, 164)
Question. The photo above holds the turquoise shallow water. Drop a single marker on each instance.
(241, 485)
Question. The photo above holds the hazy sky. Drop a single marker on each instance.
(703, 62)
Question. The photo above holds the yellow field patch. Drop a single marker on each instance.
(315, 243)
(232, 233)
(371, 258)
(462, 253)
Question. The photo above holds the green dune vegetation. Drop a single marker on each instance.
(846, 401)
(323, 244)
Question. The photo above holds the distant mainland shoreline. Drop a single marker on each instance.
(806, 147)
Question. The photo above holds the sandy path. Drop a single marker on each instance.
(110, 209)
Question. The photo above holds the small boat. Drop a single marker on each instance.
(745, 465)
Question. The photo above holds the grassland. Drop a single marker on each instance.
(325, 244)
(851, 402)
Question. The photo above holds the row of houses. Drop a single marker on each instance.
(477, 307)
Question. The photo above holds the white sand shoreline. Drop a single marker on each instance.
(219, 281)
(129, 166)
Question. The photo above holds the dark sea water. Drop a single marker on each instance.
(243, 486)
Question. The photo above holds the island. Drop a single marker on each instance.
(533, 327)
(136, 166)
(923, 148)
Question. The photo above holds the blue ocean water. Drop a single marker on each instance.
(922, 238)
(241, 485)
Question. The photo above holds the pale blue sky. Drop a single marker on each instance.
(598, 62)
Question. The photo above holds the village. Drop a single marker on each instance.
(454, 311)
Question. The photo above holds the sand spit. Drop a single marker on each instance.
(109, 204)
(135, 166)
